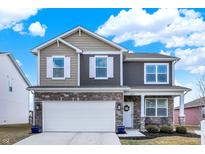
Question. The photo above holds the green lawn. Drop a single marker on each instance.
(170, 140)
(14, 133)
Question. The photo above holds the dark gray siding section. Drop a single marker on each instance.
(133, 73)
(84, 72)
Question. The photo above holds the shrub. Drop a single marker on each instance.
(166, 129)
(152, 129)
(181, 129)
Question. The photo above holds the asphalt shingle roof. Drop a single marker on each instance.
(148, 55)
(194, 103)
(159, 87)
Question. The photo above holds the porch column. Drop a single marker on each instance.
(142, 114)
(181, 110)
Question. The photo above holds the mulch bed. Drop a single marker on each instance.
(155, 135)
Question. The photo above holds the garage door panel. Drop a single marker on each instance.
(79, 116)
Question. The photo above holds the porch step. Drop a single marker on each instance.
(131, 133)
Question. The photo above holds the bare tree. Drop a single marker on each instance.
(201, 86)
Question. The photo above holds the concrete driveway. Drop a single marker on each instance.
(77, 138)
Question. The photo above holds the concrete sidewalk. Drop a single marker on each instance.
(77, 138)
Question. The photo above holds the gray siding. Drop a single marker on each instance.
(84, 69)
(61, 50)
(88, 43)
(133, 73)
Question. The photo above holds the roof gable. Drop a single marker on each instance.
(17, 67)
(86, 42)
(77, 29)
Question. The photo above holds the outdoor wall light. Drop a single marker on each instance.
(37, 107)
(118, 106)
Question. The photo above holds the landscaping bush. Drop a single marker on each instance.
(166, 129)
(152, 129)
(181, 129)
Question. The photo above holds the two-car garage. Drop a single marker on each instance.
(73, 116)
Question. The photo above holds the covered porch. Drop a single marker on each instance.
(152, 105)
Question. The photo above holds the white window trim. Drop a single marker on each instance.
(156, 101)
(38, 67)
(156, 82)
(58, 78)
(101, 78)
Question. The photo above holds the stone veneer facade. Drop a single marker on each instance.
(140, 121)
(39, 97)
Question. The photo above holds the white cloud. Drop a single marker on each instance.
(168, 53)
(172, 27)
(37, 29)
(18, 27)
(19, 63)
(10, 17)
(192, 60)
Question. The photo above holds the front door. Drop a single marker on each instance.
(127, 114)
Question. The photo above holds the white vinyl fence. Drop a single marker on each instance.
(203, 132)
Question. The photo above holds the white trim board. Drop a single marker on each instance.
(70, 45)
(151, 59)
(38, 68)
(121, 69)
(157, 93)
(102, 52)
(37, 49)
(96, 89)
(78, 69)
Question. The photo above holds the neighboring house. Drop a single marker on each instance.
(88, 83)
(194, 112)
(14, 98)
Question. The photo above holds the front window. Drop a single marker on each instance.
(101, 67)
(58, 67)
(156, 107)
(150, 107)
(156, 73)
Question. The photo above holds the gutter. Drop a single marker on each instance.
(176, 60)
(150, 59)
(67, 89)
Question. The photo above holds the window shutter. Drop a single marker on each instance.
(67, 67)
(49, 67)
(91, 67)
(110, 67)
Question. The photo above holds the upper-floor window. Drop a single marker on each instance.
(156, 107)
(101, 67)
(58, 67)
(156, 73)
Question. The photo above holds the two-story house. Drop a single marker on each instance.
(88, 83)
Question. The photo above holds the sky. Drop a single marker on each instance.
(177, 32)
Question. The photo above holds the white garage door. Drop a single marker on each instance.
(79, 116)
